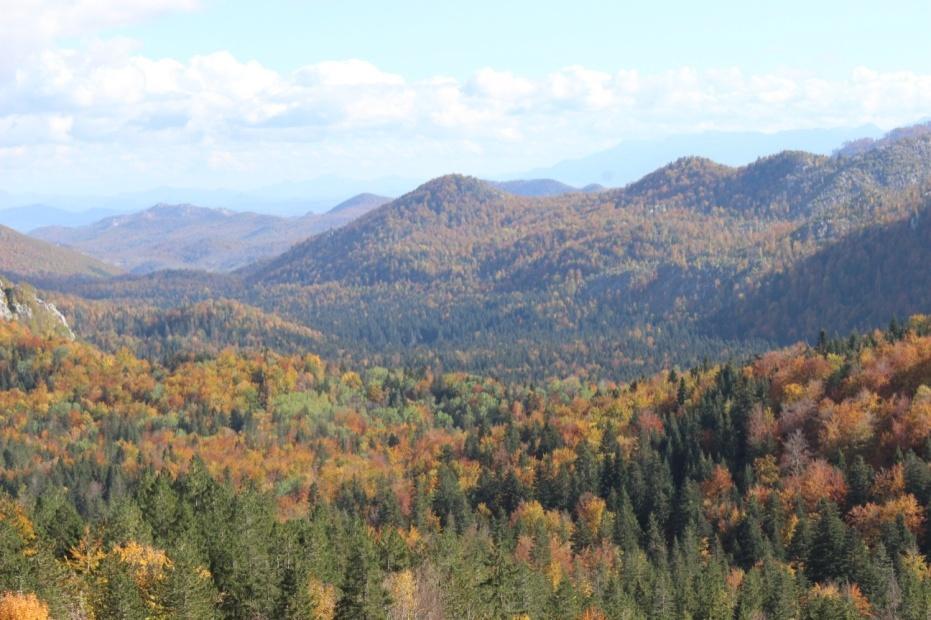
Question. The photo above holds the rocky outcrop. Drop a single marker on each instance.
(19, 302)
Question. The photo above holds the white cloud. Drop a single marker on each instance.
(500, 85)
(346, 73)
(29, 26)
(105, 106)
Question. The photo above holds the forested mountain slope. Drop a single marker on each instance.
(26, 257)
(796, 485)
(203, 328)
(862, 280)
(456, 225)
(460, 274)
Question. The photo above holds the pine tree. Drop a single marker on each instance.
(750, 598)
(363, 597)
(563, 602)
(116, 594)
(751, 543)
(187, 592)
(656, 542)
(626, 528)
(859, 481)
(351, 604)
(780, 590)
(826, 558)
(498, 586)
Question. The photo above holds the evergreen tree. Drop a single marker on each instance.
(827, 555)
(188, 592)
(362, 596)
(498, 586)
(751, 543)
(859, 481)
(116, 594)
(626, 529)
(351, 604)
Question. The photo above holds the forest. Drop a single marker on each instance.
(422, 310)
(696, 260)
(257, 484)
(471, 404)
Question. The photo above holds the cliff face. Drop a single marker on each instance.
(19, 302)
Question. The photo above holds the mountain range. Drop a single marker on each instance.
(614, 167)
(628, 161)
(696, 259)
(187, 236)
(542, 187)
(30, 217)
(634, 278)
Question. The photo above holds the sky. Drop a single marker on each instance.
(108, 96)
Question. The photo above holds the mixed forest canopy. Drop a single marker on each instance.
(698, 396)
(282, 486)
(694, 261)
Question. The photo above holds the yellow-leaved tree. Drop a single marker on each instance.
(16, 606)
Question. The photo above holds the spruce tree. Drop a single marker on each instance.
(827, 555)
(351, 604)
(188, 592)
(116, 594)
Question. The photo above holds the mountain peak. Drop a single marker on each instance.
(901, 134)
(360, 203)
(534, 187)
(163, 209)
(457, 184)
(679, 175)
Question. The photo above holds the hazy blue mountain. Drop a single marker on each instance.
(30, 217)
(186, 236)
(865, 144)
(290, 199)
(633, 159)
(542, 187)
(357, 205)
(332, 189)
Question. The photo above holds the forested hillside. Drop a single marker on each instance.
(266, 486)
(23, 256)
(876, 273)
(184, 332)
(696, 260)
(621, 282)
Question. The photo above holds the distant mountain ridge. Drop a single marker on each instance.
(541, 187)
(187, 236)
(861, 145)
(422, 232)
(630, 160)
(464, 275)
(359, 204)
(29, 217)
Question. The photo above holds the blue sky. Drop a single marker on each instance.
(423, 38)
(105, 96)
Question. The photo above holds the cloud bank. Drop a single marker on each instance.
(101, 112)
